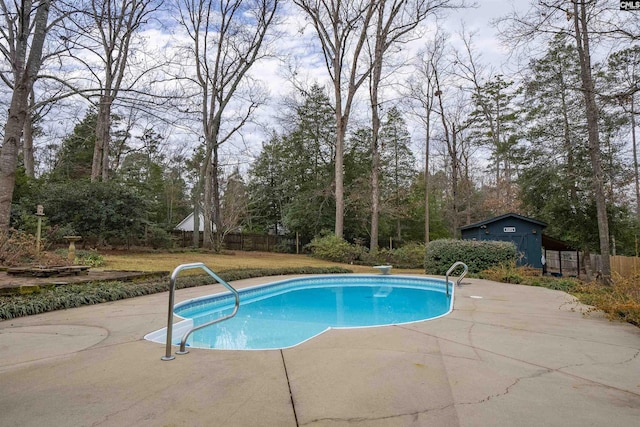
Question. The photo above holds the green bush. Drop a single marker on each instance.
(83, 257)
(409, 256)
(159, 238)
(477, 255)
(97, 211)
(332, 248)
(90, 258)
(336, 249)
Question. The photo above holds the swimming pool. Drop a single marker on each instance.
(286, 313)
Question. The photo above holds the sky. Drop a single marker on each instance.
(475, 20)
(243, 149)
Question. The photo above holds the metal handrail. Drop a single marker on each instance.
(172, 291)
(453, 267)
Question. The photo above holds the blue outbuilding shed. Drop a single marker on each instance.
(525, 232)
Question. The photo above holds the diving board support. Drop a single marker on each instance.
(172, 291)
(451, 269)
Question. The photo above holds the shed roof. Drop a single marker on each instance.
(501, 217)
(552, 244)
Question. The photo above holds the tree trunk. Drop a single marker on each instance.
(582, 41)
(339, 166)
(196, 223)
(453, 154)
(27, 140)
(100, 165)
(426, 181)
(10, 147)
(27, 69)
(375, 195)
(207, 176)
(375, 156)
(635, 158)
(216, 206)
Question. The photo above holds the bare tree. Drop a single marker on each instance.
(342, 28)
(25, 29)
(422, 91)
(454, 124)
(227, 38)
(395, 22)
(579, 19)
(493, 122)
(107, 31)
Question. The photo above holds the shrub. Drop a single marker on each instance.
(159, 238)
(477, 255)
(409, 256)
(333, 248)
(504, 273)
(97, 211)
(75, 295)
(620, 301)
(90, 258)
(18, 248)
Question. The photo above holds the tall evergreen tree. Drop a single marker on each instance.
(358, 160)
(495, 126)
(398, 168)
(557, 185)
(74, 156)
(291, 181)
(623, 75)
(267, 187)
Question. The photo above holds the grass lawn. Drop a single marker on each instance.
(141, 261)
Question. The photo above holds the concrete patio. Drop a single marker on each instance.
(518, 356)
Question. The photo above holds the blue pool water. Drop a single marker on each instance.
(284, 314)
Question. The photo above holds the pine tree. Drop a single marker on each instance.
(291, 185)
(494, 125)
(398, 168)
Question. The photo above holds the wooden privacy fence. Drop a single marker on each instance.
(626, 266)
(250, 242)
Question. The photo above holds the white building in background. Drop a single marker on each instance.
(188, 224)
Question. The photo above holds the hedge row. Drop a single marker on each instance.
(477, 255)
(76, 295)
(336, 249)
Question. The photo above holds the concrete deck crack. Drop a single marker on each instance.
(511, 328)
(414, 415)
(622, 362)
(508, 388)
(537, 365)
(286, 374)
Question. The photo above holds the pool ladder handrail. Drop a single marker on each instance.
(172, 291)
(453, 267)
